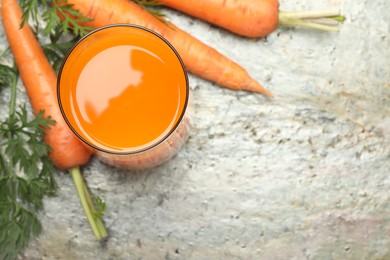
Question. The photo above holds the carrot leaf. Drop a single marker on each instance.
(56, 50)
(25, 179)
(30, 11)
(152, 7)
(26, 172)
(72, 19)
(51, 12)
(7, 75)
(52, 20)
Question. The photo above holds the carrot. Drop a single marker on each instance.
(252, 18)
(40, 81)
(198, 58)
(248, 18)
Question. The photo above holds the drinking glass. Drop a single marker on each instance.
(123, 90)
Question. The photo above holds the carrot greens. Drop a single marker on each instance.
(52, 11)
(152, 7)
(26, 172)
(73, 20)
(57, 48)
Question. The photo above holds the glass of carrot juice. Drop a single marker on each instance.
(123, 90)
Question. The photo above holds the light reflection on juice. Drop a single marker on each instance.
(123, 90)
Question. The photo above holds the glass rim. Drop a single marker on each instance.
(151, 146)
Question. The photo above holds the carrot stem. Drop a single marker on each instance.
(324, 21)
(311, 14)
(321, 20)
(85, 199)
(99, 222)
(12, 103)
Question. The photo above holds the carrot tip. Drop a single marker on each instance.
(253, 86)
(268, 94)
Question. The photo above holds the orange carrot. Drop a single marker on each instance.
(253, 18)
(40, 81)
(198, 58)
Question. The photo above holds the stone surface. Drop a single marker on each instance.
(305, 176)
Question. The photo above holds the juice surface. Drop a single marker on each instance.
(122, 89)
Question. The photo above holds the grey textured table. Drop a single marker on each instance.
(306, 176)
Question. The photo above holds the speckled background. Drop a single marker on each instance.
(305, 176)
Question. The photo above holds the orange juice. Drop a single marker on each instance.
(123, 90)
